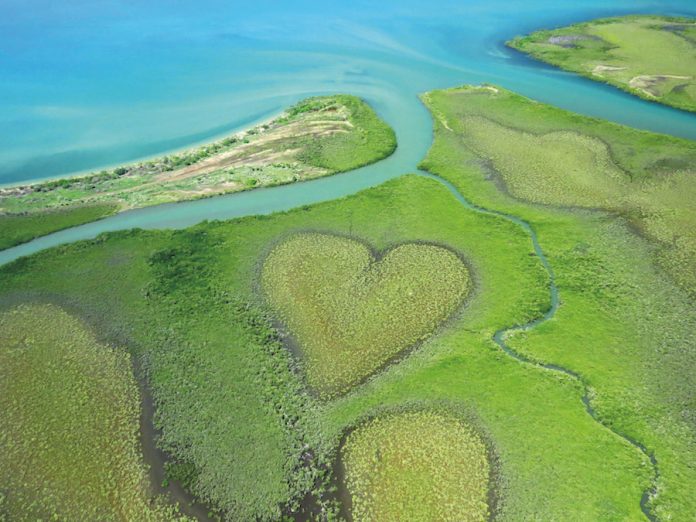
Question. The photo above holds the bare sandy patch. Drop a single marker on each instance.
(261, 151)
(599, 70)
(648, 83)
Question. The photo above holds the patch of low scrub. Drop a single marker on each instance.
(368, 138)
(558, 168)
(417, 466)
(69, 447)
(22, 227)
(233, 417)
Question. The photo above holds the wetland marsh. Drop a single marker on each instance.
(506, 333)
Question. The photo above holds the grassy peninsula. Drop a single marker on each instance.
(317, 137)
(611, 207)
(653, 57)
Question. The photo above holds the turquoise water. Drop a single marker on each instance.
(87, 84)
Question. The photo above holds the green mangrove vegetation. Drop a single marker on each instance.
(622, 254)
(419, 466)
(350, 312)
(282, 349)
(234, 418)
(69, 446)
(16, 228)
(544, 155)
(316, 137)
(651, 56)
(239, 426)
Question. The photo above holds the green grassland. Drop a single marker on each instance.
(544, 155)
(69, 447)
(317, 137)
(20, 228)
(352, 313)
(653, 57)
(622, 255)
(419, 466)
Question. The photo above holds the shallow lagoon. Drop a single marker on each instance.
(88, 84)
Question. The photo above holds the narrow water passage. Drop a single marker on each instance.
(501, 335)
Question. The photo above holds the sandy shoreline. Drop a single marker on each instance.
(237, 132)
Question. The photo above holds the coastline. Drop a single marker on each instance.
(314, 138)
(240, 130)
(514, 44)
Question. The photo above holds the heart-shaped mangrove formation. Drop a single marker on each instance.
(350, 310)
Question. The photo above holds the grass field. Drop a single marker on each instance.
(544, 155)
(419, 466)
(69, 447)
(351, 312)
(317, 137)
(20, 228)
(653, 57)
(230, 400)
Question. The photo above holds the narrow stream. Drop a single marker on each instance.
(500, 336)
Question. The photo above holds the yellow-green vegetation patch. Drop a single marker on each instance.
(417, 466)
(69, 447)
(559, 168)
(653, 57)
(351, 311)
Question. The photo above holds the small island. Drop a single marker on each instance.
(653, 57)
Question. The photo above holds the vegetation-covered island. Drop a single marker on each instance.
(653, 57)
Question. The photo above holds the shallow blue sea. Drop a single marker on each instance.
(90, 83)
(86, 84)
